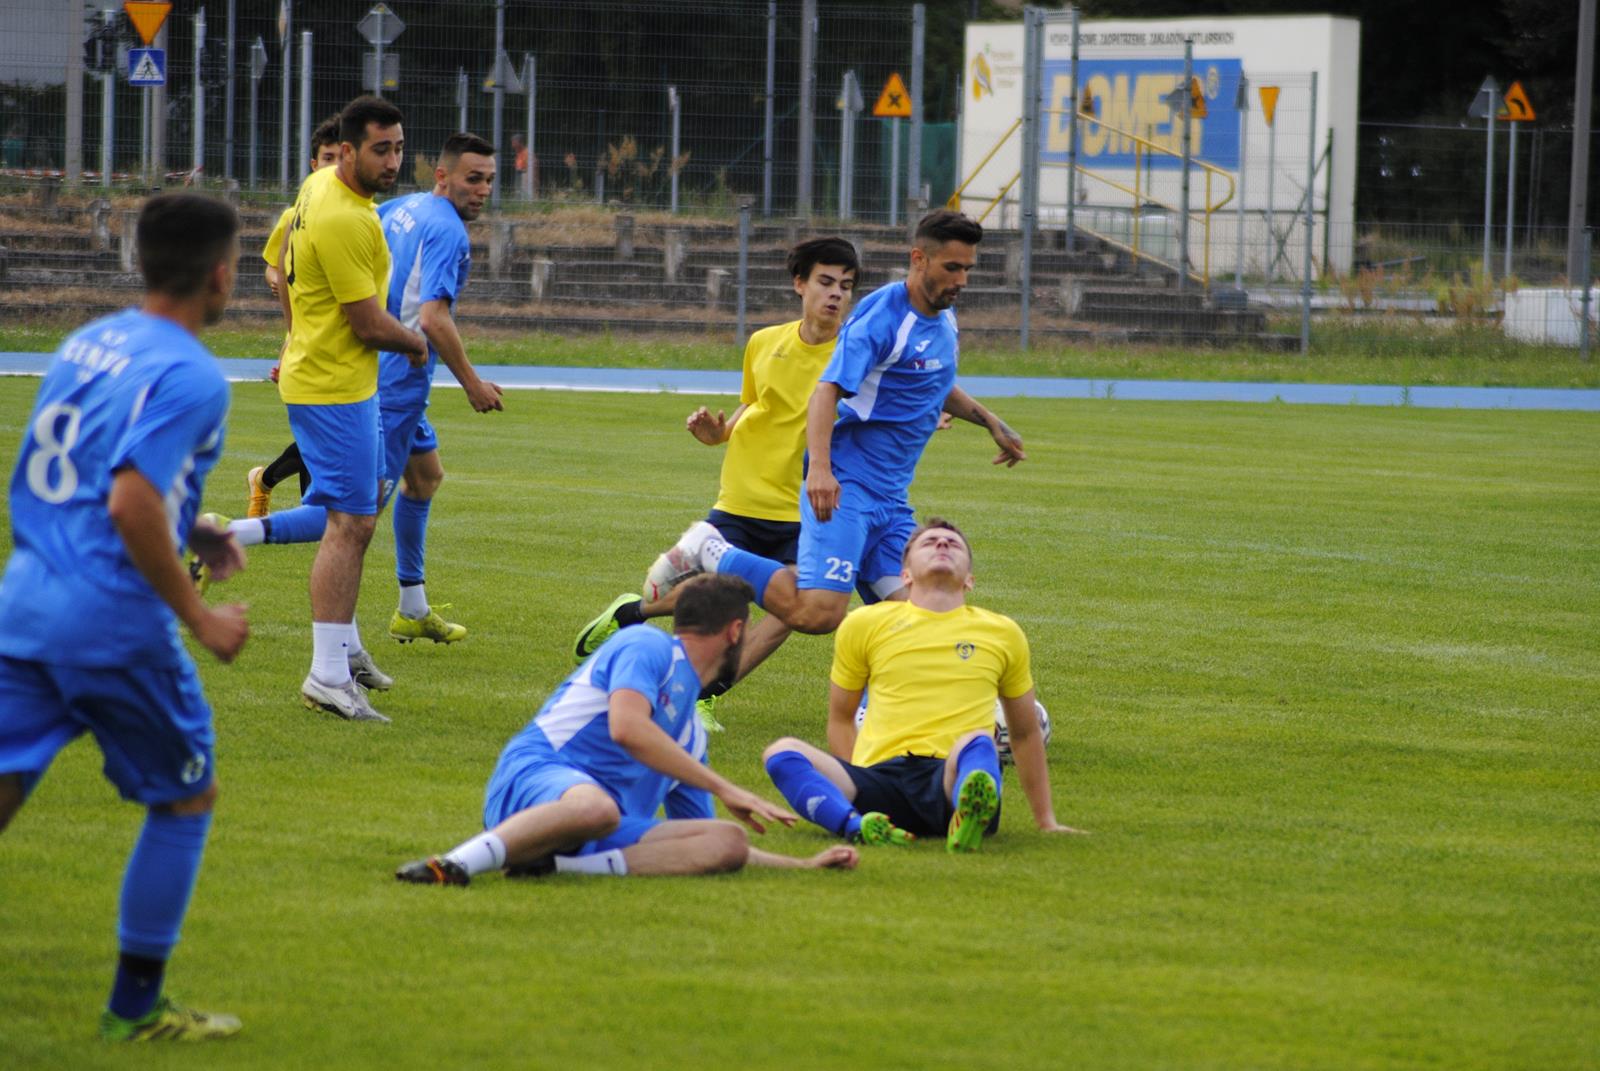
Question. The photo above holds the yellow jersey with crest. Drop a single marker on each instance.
(336, 256)
(930, 676)
(761, 471)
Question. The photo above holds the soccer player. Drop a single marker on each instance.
(925, 760)
(260, 480)
(335, 267)
(757, 507)
(578, 789)
(128, 422)
(427, 238)
(892, 373)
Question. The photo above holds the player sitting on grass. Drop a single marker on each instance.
(757, 507)
(924, 761)
(128, 423)
(578, 789)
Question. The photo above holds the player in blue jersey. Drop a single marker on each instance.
(427, 239)
(893, 371)
(128, 422)
(578, 789)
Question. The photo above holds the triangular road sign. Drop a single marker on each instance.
(1487, 100)
(1269, 102)
(894, 102)
(1516, 107)
(147, 17)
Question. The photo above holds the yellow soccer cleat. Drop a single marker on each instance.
(260, 494)
(433, 627)
(168, 1021)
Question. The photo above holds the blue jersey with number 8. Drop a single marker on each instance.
(129, 391)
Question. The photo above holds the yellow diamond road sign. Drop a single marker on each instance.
(894, 102)
(147, 17)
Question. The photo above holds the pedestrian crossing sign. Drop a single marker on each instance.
(147, 66)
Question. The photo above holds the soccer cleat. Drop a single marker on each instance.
(976, 804)
(348, 700)
(433, 627)
(260, 494)
(707, 708)
(541, 867)
(601, 629)
(434, 870)
(365, 672)
(168, 1021)
(877, 829)
(679, 562)
(200, 573)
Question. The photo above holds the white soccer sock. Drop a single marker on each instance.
(711, 552)
(330, 652)
(249, 532)
(599, 863)
(414, 601)
(355, 640)
(483, 852)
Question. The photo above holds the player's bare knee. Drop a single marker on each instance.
(200, 803)
(777, 747)
(727, 848)
(594, 812)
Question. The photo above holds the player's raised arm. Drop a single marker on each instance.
(962, 405)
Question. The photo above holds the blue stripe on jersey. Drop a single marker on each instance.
(129, 391)
(894, 368)
(432, 258)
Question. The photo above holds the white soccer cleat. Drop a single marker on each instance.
(347, 700)
(367, 674)
(680, 562)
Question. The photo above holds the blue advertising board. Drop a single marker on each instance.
(1133, 96)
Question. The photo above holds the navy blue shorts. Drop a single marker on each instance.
(910, 790)
(777, 540)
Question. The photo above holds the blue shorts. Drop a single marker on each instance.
(342, 447)
(153, 725)
(859, 547)
(520, 784)
(406, 432)
(777, 540)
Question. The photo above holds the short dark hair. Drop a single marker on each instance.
(327, 133)
(943, 225)
(180, 238)
(707, 603)
(362, 111)
(456, 144)
(931, 523)
(810, 253)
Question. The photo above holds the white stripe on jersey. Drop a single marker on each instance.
(410, 298)
(862, 401)
(579, 705)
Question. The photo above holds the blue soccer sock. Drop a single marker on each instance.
(980, 753)
(812, 794)
(155, 895)
(751, 568)
(410, 537)
(303, 524)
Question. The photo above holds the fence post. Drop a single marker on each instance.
(286, 43)
(227, 99)
(766, 140)
(744, 263)
(1032, 60)
(108, 105)
(305, 104)
(530, 86)
(498, 117)
(1072, 145)
(1583, 328)
(808, 106)
(1311, 177)
(73, 163)
(1188, 149)
(919, 50)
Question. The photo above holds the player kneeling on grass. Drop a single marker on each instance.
(924, 761)
(578, 789)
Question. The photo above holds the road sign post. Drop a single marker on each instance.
(1516, 109)
(1241, 101)
(894, 104)
(1485, 106)
(1269, 112)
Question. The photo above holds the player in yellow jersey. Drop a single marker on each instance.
(335, 268)
(260, 480)
(924, 760)
(757, 505)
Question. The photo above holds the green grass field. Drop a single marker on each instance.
(1324, 690)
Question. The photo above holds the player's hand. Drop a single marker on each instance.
(946, 421)
(273, 375)
(752, 810)
(222, 630)
(216, 548)
(272, 280)
(838, 857)
(417, 355)
(1009, 442)
(823, 492)
(484, 396)
(711, 430)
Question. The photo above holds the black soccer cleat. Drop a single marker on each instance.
(433, 871)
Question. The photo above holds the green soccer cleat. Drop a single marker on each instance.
(976, 805)
(433, 627)
(707, 710)
(601, 629)
(199, 574)
(168, 1021)
(876, 829)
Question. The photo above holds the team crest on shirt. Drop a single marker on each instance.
(965, 649)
